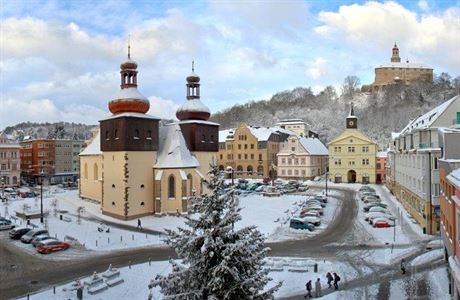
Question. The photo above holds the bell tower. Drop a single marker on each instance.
(395, 54)
(352, 120)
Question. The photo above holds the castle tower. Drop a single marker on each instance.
(395, 54)
(129, 143)
(201, 135)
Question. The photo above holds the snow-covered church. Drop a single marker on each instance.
(133, 167)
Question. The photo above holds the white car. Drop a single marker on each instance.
(377, 214)
(313, 220)
(310, 213)
(6, 226)
(384, 216)
(378, 209)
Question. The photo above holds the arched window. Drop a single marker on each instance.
(85, 171)
(15, 180)
(203, 138)
(260, 170)
(95, 172)
(106, 134)
(211, 140)
(250, 170)
(149, 134)
(221, 168)
(190, 181)
(116, 134)
(239, 169)
(171, 187)
(136, 133)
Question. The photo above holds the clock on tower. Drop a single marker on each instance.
(352, 120)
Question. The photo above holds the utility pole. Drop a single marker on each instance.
(327, 173)
(41, 196)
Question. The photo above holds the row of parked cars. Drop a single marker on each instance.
(311, 211)
(376, 212)
(279, 186)
(38, 238)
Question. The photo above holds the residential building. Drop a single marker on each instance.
(56, 160)
(302, 158)
(250, 151)
(134, 167)
(416, 152)
(380, 167)
(398, 72)
(298, 126)
(352, 154)
(10, 165)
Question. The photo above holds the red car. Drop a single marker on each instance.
(48, 246)
(382, 223)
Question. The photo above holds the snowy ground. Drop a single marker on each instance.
(292, 271)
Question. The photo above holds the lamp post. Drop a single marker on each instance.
(327, 173)
(41, 196)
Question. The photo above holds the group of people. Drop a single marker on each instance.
(331, 278)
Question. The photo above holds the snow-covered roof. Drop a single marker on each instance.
(454, 177)
(130, 93)
(405, 65)
(173, 152)
(291, 121)
(283, 130)
(94, 148)
(313, 146)
(426, 120)
(194, 105)
(383, 154)
(197, 122)
(224, 133)
(262, 133)
(132, 115)
(10, 146)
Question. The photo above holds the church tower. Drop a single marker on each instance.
(129, 143)
(352, 120)
(201, 135)
(395, 54)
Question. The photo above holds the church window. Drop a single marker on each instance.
(142, 203)
(136, 134)
(106, 135)
(86, 171)
(142, 186)
(212, 139)
(116, 134)
(149, 135)
(95, 172)
(203, 138)
(113, 185)
(171, 187)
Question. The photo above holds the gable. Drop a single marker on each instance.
(355, 134)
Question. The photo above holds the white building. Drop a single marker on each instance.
(298, 126)
(414, 162)
(302, 158)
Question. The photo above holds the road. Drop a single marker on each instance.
(22, 273)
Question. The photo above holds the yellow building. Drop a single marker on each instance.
(398, 72)
(352, 155)
(250, 151)
(134, 167)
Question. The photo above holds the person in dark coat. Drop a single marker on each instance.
(139, 224)
(330, 279)
(336, 281)
(403, 266)
(309, 287)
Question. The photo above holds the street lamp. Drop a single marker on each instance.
(41, 196)
(327, 173)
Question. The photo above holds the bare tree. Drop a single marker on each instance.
(350, 85)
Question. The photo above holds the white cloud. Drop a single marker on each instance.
(162, 108)
(318, 68)
(374, 26)
(423, 5)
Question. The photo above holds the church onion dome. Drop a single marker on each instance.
(193, 110)
(193, 78)
(129, 65)
(129, 100)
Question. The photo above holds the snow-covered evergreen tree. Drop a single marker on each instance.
(218, 262)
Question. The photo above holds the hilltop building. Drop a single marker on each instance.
(298, 126)
(398, 72)
(10, 165)
(250, 151)
(134, 167)
(302, 158)
(352, 155)
(415, 157)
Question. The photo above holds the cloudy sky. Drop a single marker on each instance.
(60, 59)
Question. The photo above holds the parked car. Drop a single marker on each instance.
(377, 213)
(6, 225)
(36, 240)
(289, 189)
(300, 224)
(48, 246)
(18, 232)
(375, 204)
(382, 223)
(309, 213)
(318, 208)
(384, 216)
(368, 194)
(368, 199)
(313, 220)
(378, 209)
(366, 188)
(322, 198)
(293, 183)
(28, 237)
(315, 202)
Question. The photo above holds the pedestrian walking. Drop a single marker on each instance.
(330, 279)
(318, 288)
(309, 287)
(403, 266)
(336, 281)
(139, 224)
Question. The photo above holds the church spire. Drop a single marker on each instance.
(395, 54)
(129, 47)
(352, 120)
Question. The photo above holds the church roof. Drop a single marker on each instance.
(94, 148)
(173, 151)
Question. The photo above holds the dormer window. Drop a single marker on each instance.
(203, 138)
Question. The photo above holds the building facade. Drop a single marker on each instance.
(380, 167)
(302, 158)
(10, 164)
(134, 167)
(54, 159)
(352, 155)
(397, 72)
(250, 151)
(416, 153)
(298, 126)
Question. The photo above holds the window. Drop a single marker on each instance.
(239, 147)
(142, 186)
(95, 172)
(136, 134)
(245, 156)
(113, 185)
(250, 170)
(458, 117)
(116, 134)
(283, 161)
(211, 140)
(252, 156)
(296, 161)
(239, 156)
(221, 156)
(302, 161)
(252, 146)
(245, 146)
(365, 162)
(351, 163)
(142, 203)
(289, 161)
(351, 149)
(365, 148)
(293, 149)
(260, 170)
(203, 138)
(260, 156)
(106, 135)
(171, 187)
(86, 171)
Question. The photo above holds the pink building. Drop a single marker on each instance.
(10, 164)
(380, 160)
(302, 158)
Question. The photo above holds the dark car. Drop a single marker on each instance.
(28, 237)
(17, 233)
